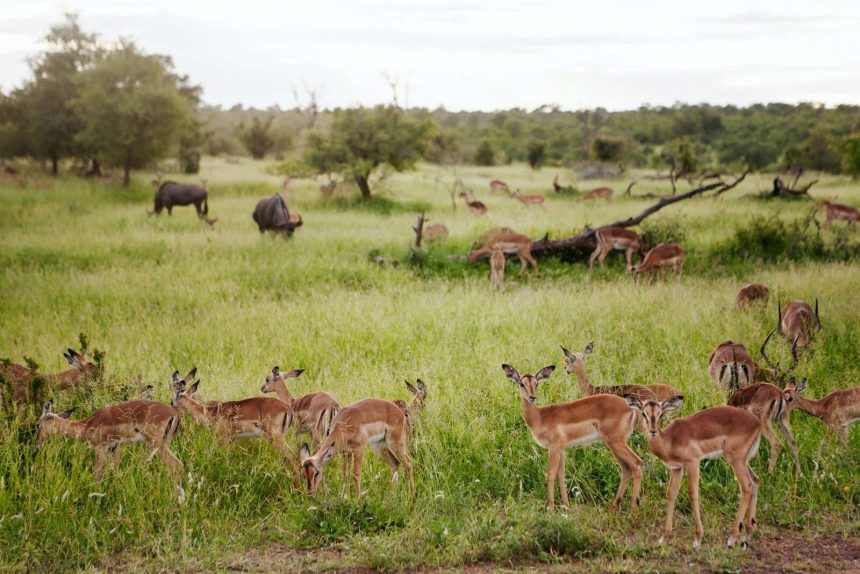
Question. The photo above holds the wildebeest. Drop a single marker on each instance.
(272, 214)
(170, 194)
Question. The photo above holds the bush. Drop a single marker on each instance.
(663, 230)
(772, 239)
(485, 154)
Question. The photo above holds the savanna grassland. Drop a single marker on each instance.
(159, 294)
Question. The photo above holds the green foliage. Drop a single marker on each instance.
(774, 239)
(536, 153)
(608, 149)
(485, 154)
(132, 107)
(258, 138)
(851, 155)
(191, 144)
(363, 139)
(819, 152)
(444, 148)
(662, 229)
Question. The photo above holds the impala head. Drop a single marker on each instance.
(775, 373)
(184, 393)
(146, 393)
(276, 376)
(571, 358)
(175, 380)
(50, 423)
(792, 389)
(528, 383)
(419, 390)
(80, 362)
(654, 412)
(312, 466)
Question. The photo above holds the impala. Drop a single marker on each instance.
(313, 411)
(375, 422)
(435, 232)
(419, 394)
(731, 366)
(751, 294)
(604, 192)
(509, 242)
(134, 421)
(798, 322)
(527, 200)
(658, 260)
(605, 418)
(474, 205)
(557, 187)
(839, 410)
(486, 236)
(574, 364)
(609, 238)
(248, 418)
(497, 269)
(147, 393)
(729, 432)
(837, 211)
(770, 404)
(498, 185)
(20, 376)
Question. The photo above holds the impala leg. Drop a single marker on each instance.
(629, 255)
(399, 450)
(347, 462)
(523, 264)
(173, 464)
(775, 445)
(594, 255)
(551, 472)
(672, 495)
(101, 452)
(792, 444)
(531, 259)
(745, 484)
(357, 462)
(750, 522)
(693, 488)
(562, 487)
(631, 467)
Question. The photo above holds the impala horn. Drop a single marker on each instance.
(817, 318)
(764, 354)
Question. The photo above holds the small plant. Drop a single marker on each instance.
(663, 230)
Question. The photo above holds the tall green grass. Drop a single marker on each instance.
(165, 293)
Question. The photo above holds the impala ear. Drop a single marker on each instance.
(566, 352)
(70, 358)
(329, 453)
(67, 413)
(589, 348)
(633, 402)
(293, 374)
(544, 373)
(174, 378)
(412, 389)
(421, 386)
(800, 386)
(673, 404)
(276, 371)
(305, 452)
(193, 388)
(46, 410)
(511, 373)
(191, 374)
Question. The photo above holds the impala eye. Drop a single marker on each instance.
(644, 416)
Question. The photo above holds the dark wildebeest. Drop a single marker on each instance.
(171, 193)
(272, 214)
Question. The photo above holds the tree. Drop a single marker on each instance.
(258, 139)
(535, 153)
(361, 140)
(50, 124)
(133, 107)
(485, 154)
(608, 149)
(819, 153)
(851, 155)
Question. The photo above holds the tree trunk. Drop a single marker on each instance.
(55, 168)
(126, 174)
(363, 185)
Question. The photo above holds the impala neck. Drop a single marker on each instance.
(71, 429)
(814, 407)
(584, 384)
(531, 413)
(197, 411)
(282, 391)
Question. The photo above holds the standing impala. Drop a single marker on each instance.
(475, 206)
(313, 411)
(729, 432)
(609, 238)
(509, 242)
(600, 192)
(605, 418)
(657, 260)
(771, 404)
(498, 185)
(528, 200)
(731, 366)
(134, 421)
(798, 323)
(837, 211)
(378, 423)
(751, 294)
(839, 410)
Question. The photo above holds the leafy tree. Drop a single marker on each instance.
(536, 153)
(851, 155)
(12, 141)
(258, 139)
(485, 154)
(51, 125)
(608, 149)
(819, 151)
(363, 139)
(444, 148)
(191, 143)
(133, 107)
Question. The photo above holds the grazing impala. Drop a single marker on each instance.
(313, 412)
(484, 238)
(134, 421)
(248, 418)
(609, 238)
(605, 418)
(497, 269)
(498, 185)
(798, 322)
(435, 232)
(837, 211)
(575, 365)
(729, 432)
(378, 423)
(770, 404)
(474, 205)
(600, 192)
(731, 366)
(657, 260)
(528, 200)
(509, 242)
(839, 410)
(752, 294)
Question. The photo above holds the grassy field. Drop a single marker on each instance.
(159, 294)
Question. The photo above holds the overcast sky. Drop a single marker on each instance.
(475, 54)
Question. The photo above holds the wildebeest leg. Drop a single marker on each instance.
(169, 210)
(198, 205)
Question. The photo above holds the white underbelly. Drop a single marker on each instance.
(713, 454)
(256, 433)
(585, 439)
(376, 441)
(136, 437)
